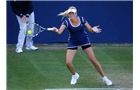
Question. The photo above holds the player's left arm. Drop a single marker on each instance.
(93, 29)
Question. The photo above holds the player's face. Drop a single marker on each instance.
(72, 15)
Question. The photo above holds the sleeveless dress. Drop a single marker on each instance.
(77, 34)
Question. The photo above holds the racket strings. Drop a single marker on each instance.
(35, 29)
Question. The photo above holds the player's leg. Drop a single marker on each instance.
(69, 59)
(21, 35)
(89, 51)
(29, 40)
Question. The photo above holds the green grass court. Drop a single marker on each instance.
(45, 68)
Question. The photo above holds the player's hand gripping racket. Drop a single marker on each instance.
(33, 29)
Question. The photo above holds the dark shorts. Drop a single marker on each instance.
(83, 47)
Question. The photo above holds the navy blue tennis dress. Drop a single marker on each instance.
(77, 34)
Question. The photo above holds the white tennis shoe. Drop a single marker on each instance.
(31, 48)
(19, 50)
(107, 81)
(74, 79)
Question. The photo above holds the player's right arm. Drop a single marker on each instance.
(62, 27)
(60, 30)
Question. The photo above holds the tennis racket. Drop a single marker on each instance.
(34, 29)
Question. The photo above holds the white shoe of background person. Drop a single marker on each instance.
(19, 50)
(32, 48)
(74, 78)
(107, 81)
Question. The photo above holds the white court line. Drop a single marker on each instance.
(91, 89)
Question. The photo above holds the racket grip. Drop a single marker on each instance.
(49, 29)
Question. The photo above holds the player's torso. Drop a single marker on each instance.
(78, 36)
(76, 31)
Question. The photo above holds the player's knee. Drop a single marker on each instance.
(68, 63)
(95, 62)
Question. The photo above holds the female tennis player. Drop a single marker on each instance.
(78, 37)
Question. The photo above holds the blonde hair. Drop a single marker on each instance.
(65, 13)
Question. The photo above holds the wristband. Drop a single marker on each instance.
(56, 30)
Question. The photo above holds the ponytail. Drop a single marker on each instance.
(63, 14)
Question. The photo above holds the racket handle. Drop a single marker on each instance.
(50, 29)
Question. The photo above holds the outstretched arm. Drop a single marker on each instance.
(60, 30)
(94, 29)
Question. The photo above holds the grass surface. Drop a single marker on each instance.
(46, 69)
